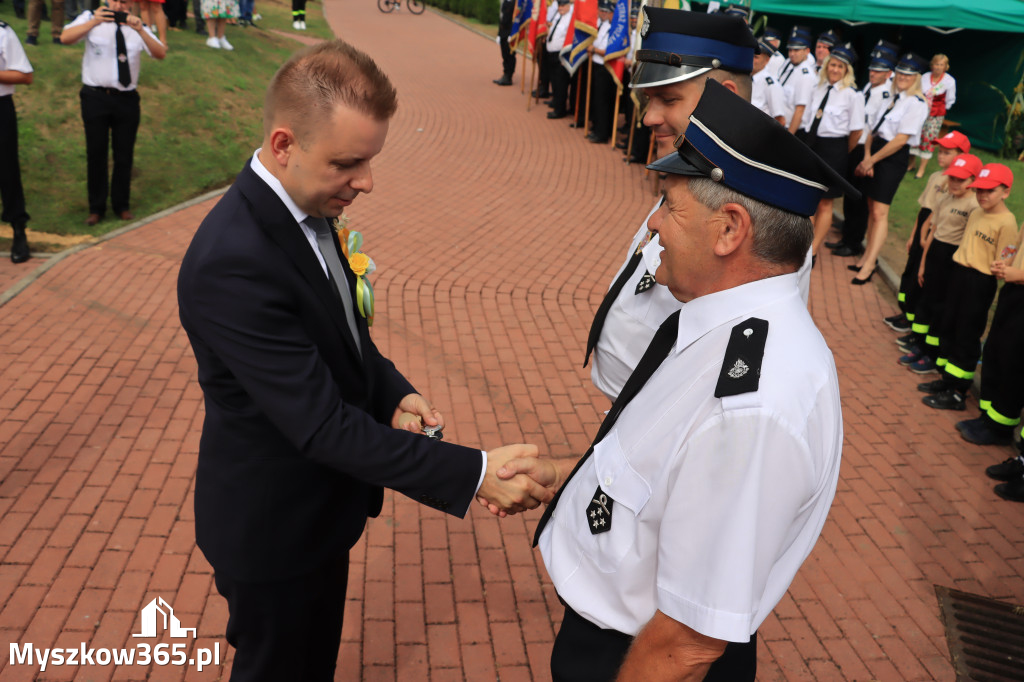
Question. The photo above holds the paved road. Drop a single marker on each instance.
(495, 232)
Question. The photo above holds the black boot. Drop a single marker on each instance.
(19, 246)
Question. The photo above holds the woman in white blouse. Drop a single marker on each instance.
(832, 125)
(893, 132)
(940, 92)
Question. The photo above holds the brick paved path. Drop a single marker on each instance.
(485, 299)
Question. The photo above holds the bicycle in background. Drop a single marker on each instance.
(415, 6)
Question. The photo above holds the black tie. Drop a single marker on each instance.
(655, 354)
(819, 113)
(867, 93)
(124, 73)
(787, 72)
(879, 124)
(602, 311)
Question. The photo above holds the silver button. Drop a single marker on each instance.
(607, 480)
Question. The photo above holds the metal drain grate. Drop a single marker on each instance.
(985, 636)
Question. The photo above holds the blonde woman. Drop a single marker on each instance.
(832, 125)
(940, 92)
(887, 150)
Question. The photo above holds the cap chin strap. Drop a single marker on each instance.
(674, 59)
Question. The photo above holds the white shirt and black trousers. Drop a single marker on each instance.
(904, 117)
(603, 91)
(12, 195)
(706, 487)
(110, 110)
(558, 76)
(834, 112)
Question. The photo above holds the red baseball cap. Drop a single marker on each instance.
(992, 175)
(955, 140)
(964, 166)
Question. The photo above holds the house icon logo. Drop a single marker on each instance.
(158, 609)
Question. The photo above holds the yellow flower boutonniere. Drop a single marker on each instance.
(361, 265)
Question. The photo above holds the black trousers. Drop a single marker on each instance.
(855, 211)
(111, 119)
(578, 84)
(583, 652)
(559, 78)
(602, 102)
(176, 12)
(543, 67)
(931, 306)
(910, 290)
(287, 630)
(508, 60)
(969, 299)
(12, 195)
(1002, 363)
(298, 10)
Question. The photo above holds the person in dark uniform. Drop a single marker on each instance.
(673, 538)
(508, 60)
(15, 69)
(110, 100)
(557, 74)
(602, 91)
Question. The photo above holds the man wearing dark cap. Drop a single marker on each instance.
(823, 47)
(708, 483)
(798, 76)
(678, 52)
(778, 59)
(766, 92)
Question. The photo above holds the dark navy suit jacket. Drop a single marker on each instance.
(296, 443)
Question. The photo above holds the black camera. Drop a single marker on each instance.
(120, 17)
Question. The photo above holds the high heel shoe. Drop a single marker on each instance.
(854, 268)
(860, 282)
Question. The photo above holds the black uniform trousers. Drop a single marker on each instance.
(578, 84)
(966, 315)
(1002, 362)
(855, 211)
(559, 78)
(508, 60)
(289, 629)
(12, 195)
(910, 290)
(111, 118)
(583, 652)
(543, 67)
(602, 102)
(931, 306)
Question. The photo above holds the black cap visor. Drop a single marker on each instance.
(653, 74)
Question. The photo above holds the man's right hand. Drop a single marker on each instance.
(515, 492)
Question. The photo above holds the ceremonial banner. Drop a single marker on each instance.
(582, 33)
(521, 20)
(538, 29)
(618, 42)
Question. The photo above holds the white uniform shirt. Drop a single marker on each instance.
(878, 97)
(717, 502)
(946, 85)
(775, 64)
(99, 60)
(559, 28)
(843, 113)
(604, 28)
(12, 57)
(798, 82)
(767, 94)
(906, 118)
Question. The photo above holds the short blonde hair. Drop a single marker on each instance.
(939, 58)
(314, 81)
(845, 82)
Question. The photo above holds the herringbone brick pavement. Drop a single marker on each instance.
(495, 232)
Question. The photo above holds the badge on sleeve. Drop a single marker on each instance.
(599, 512)
(645, 283)
(741, 369)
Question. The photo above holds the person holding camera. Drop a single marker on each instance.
(115, 41)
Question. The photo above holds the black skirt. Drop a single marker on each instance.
(834, 152)
(889, 173)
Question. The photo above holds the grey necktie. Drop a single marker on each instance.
(325, 240)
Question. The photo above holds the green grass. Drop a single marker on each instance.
(201, 118)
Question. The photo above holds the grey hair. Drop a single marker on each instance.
(780, 237)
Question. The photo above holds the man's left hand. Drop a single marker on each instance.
(418, 406)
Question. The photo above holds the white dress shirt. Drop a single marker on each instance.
(906, 117)
(798, 82)
(12, 57)
(946, 85)
(604, 28)
(716, 501)
(775, 64)
(99, 60)
(767, 93)
(559, 28)
(843, 113)
(878, 97)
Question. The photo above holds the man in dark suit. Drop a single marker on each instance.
(303, 413)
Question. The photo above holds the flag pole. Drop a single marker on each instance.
(533, 70)
(615, 116)
(632, 129)
(576, 108)
(590, 74)
(522, 70)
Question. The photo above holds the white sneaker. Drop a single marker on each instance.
(213, 42)
(225, 45)
(257, 17)
(303, 25)
(297, 25)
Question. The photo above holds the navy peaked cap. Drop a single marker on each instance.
(911, 63)
(829, 38)
(764, 47)
(845, 53)
(799, 37)
(734, 143)
(677, 45)
(771, 33)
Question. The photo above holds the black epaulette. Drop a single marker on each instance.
(805, 70)
(768, 80)
(741, 369)
(886, 94)
(920, 98)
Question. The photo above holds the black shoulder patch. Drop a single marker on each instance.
(919, 97)
(741, 369)
(886, 94)
(768, 80)
(805, 70)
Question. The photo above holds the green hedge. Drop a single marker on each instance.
(484, 11)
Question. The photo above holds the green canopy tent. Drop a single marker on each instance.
(984, 40)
